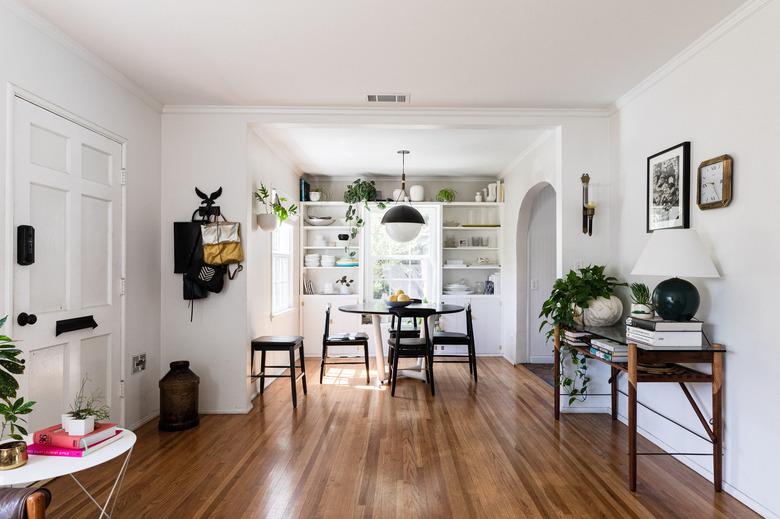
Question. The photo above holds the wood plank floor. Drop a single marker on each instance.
(350, 450)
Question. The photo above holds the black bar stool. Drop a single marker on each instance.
(342, 339)
(454, 338)
(411, 347)
(279, 343)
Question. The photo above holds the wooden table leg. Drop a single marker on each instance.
(614, 388)
(717, 419)
(632, 383)
(557, 370)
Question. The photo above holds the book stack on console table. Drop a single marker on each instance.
(55, 441)
(608, 350)
(664, 334)
(574, 338)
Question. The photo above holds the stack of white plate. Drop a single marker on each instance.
(457, 289)
(326, 260)
(318, 240)
(311, 260)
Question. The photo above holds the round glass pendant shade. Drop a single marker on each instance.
(403, 223)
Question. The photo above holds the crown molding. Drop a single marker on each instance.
(508, 113)
(722, 28)
(52, 31)
(393, 177)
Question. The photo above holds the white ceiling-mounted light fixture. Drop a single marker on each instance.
(402, 221)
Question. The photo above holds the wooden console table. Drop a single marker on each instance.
(638, 353)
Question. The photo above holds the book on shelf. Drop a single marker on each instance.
(682, 339)
(608, 356)
(43, 449)
(660, 325)
(56, 436)
(609, 346)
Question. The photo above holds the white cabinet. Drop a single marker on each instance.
(313, 323)
(486, 319)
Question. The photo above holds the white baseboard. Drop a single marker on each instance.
(138, 423)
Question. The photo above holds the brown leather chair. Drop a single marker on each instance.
(24, 503)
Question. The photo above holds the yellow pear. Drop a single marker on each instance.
(403, 298)
(399, 292)
(393, 298)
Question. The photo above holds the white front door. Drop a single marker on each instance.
(67, 185)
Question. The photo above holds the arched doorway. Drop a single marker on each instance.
(536, 269)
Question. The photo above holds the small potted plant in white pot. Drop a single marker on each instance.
(344, 284)
(315, 194)
(640, 301)
(84, 412)
(270, 209)
(13, 448)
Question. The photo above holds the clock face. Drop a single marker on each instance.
(711, 183)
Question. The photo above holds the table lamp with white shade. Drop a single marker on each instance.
(675, 252)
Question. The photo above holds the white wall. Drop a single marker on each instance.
(41, 60)
(542, 268)
(724, 99)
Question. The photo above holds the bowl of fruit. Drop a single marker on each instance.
(398, 299)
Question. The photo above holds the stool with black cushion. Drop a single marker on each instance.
(419, 347)
(288, 343)
(342, 339)
(406, 332)
(455, 339)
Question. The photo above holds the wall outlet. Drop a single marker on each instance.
(139, 362)
(534, 284)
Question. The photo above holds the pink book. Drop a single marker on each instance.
(43, 449)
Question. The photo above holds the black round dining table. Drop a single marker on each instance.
(376, 310)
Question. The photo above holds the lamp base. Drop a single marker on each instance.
(676, 300)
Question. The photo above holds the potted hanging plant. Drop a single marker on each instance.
(13, 448)
(583, 296)
(358, 192)
(270, 209)
(640, 301)
(85, 410)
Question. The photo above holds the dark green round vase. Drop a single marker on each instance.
(676, 300)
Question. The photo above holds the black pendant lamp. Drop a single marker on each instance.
(402, 221)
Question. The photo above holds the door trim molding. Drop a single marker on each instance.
(13, 92)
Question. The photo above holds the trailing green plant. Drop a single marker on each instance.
(640, 293)
(446, 195)
(358, 192)
(85, 405)
(12, 409)
(575, 290)
(274, 203)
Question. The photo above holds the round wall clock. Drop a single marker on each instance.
(713, 186)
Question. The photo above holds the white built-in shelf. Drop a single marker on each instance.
(470, 248)
(328, 296)
(330, 247)
(472, 267)
(324, 203)
(472, 204)
(481, 296)
(329, 268)
(480, 228)
(326, 227)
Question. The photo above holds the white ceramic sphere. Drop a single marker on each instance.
(602, 311)
(402, 231)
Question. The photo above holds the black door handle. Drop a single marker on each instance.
(25, 319)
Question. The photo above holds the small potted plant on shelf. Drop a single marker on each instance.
(270, 208)
(13, 448)
(344, 284)
(315, 194)
(358, 192)
(640, 301)
(581, 297)
(85, 410)
(446, 195)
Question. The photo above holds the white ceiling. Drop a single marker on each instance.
(352, 151)
(453, 53)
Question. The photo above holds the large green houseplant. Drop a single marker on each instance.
(570, 296)
(12, 409)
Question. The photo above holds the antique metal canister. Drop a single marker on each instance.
(179, 398)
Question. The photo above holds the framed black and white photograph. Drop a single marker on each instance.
(668, 188)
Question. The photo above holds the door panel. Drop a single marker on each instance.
(66, 185)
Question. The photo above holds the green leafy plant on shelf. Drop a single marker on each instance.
(12, 409)
(569, 294)
(358, 192)
(275, 204)
(446, 195)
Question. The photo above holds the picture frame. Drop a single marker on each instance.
(668, 188)
(714, 182)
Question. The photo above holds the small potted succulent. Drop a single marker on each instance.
(344, 284)
(640, 301)
(84, 412)
(13, 448)
(315, 194)
(270, 209)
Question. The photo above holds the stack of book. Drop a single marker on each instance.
(573, 338)
(666, 334)
(55, 441)
(608, 350)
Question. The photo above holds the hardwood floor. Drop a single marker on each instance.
(350, 450)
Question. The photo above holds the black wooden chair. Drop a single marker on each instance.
(279, 343)
(419, 347)
(407, 332)
(454, 339)
(342, 339)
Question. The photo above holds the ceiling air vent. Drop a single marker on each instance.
(388, 98)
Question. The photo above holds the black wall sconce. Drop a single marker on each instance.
(588, 207)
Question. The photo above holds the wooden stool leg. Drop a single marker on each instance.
(303, 367)
(262, 371)
(322, 361)
(365, 354)
(473, 356)
(292, 378)
(395, 372)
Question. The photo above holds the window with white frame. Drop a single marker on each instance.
(282, 268)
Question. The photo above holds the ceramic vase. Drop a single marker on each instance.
(601, 311)
(80, 427)
(417, 193)
(315, 196)
(13, 454)
(492, 193)
(179, 398)
(641, 311)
